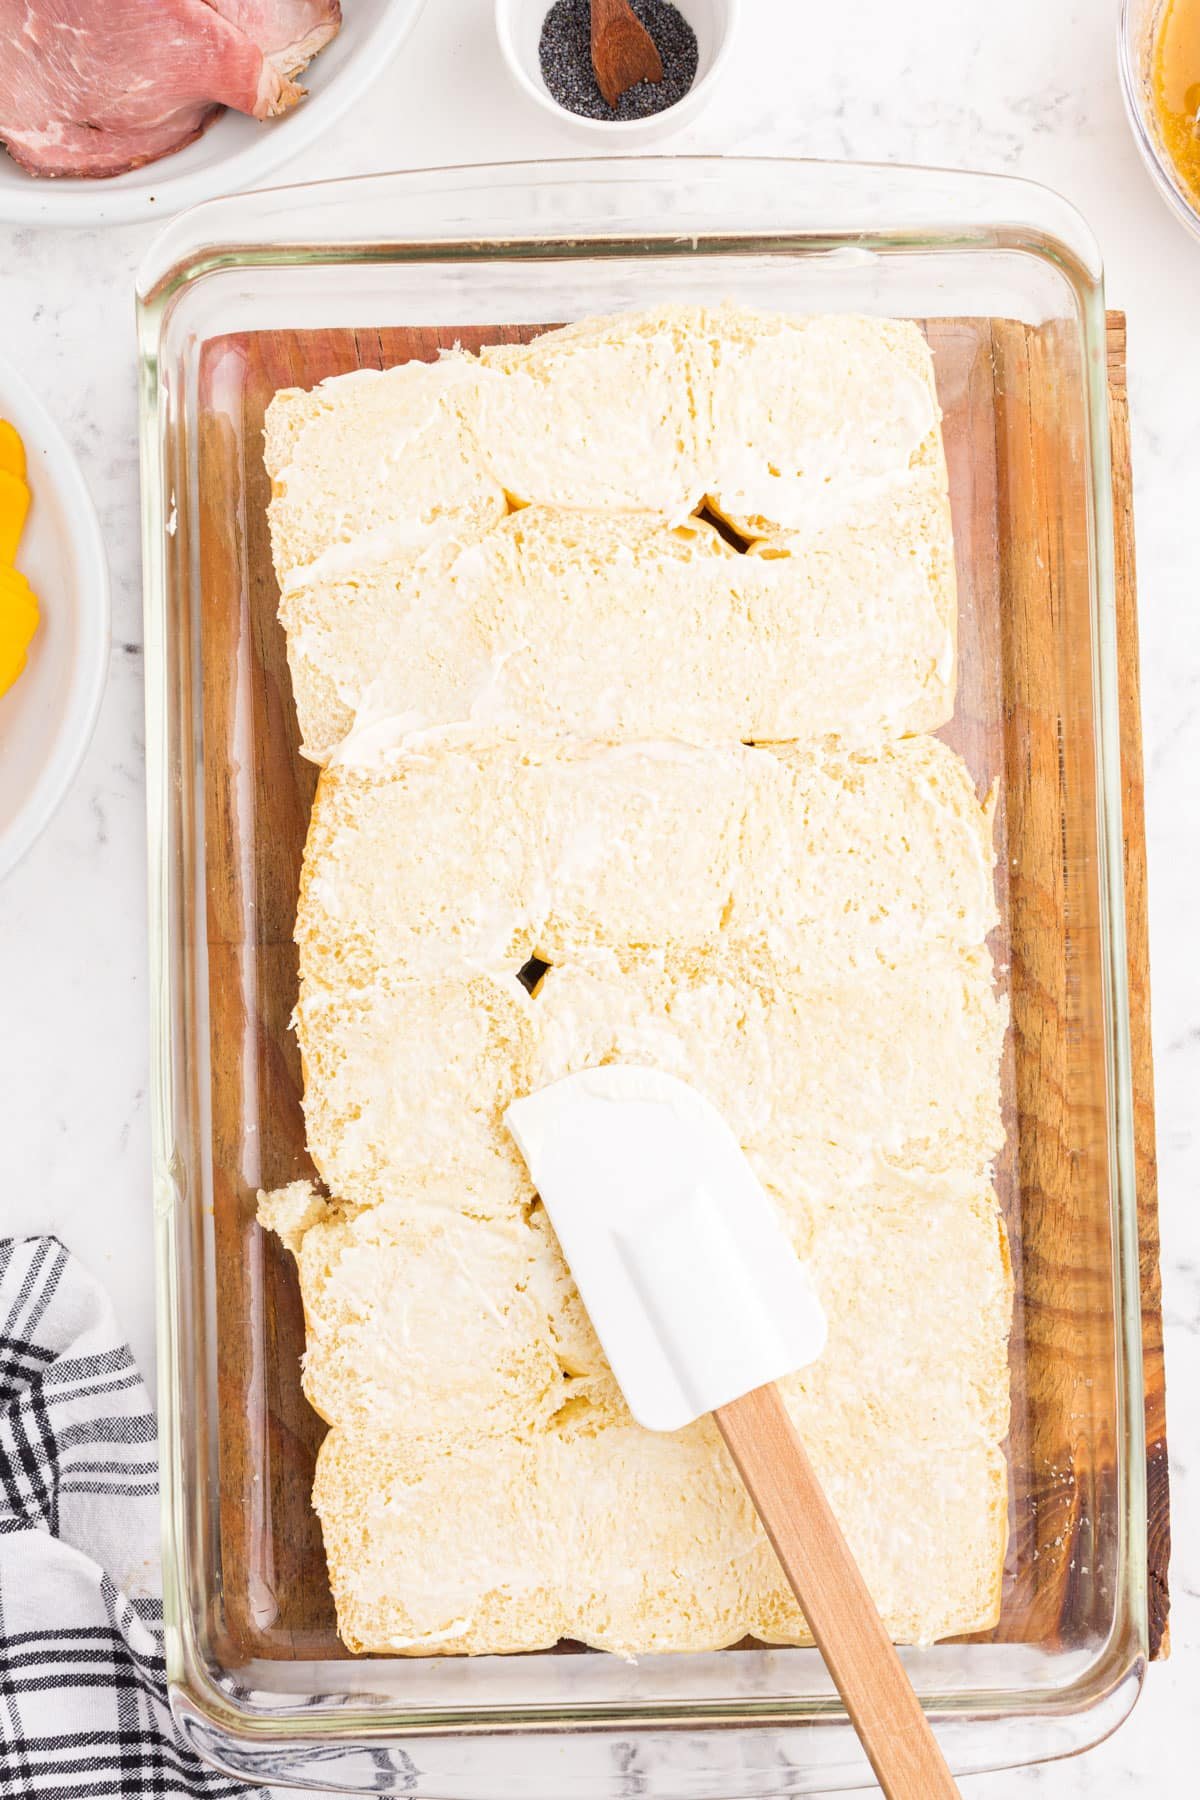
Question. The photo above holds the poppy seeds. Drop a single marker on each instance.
(565, 53)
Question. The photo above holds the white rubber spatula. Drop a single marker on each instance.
(701, 1305)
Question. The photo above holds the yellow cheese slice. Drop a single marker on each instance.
(14, 505)
(12, 450)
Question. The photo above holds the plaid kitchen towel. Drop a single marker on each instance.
(83, 1708)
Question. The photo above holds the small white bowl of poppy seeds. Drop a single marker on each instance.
(547, 46)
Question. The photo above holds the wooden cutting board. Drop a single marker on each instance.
(1138, 932)
(258, 793)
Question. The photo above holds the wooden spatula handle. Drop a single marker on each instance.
(825, 1579)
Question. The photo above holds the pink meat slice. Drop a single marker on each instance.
(282, 25)
(95, 87)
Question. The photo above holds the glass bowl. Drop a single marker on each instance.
(1138, 35)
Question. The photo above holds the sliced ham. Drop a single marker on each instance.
(95, 87)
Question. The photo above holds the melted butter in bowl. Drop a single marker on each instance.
(1176, 89)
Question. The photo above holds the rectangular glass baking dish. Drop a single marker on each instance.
(1006, 279)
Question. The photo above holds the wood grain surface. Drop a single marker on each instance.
(1138, 932)
(1016, 475)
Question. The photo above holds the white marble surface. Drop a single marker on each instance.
(1029, 86)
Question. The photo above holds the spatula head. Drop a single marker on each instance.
(682, 1261)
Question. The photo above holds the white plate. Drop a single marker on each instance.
(47, 716)
(235, 152)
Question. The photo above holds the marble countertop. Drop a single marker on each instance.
(1029, 87)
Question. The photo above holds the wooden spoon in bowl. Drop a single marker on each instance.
(623, 52)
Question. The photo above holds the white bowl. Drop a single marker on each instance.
(235, 152)
(519, 29)
(47, 716)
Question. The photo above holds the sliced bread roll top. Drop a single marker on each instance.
(422, 861)
(444, 1548)
(637, 1542)
(407, 1081)
(434, 1319)
(372, 465)
(483, 851)
(614, 625)
(858, 860)
(826, 1083)
(604, 607)
(600, 414)
(811, 419)
(782, 423)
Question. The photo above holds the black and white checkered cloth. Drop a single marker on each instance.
(83, 1708)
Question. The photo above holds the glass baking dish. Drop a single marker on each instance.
(240, 296)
